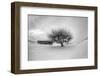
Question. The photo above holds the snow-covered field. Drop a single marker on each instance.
(55, 52)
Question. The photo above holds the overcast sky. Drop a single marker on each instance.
(39, 26)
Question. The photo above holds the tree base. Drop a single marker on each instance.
(62, 45)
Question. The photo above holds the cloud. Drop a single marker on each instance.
(37, 34)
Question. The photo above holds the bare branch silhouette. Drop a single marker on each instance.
(60, 36)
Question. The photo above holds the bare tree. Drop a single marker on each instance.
(60, 36)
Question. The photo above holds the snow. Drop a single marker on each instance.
(56, 52)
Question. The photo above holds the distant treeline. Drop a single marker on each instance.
(45, 42)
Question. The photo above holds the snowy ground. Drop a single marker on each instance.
(55, 52)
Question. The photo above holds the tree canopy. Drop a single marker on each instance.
(60, 36)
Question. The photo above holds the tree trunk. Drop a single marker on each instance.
(62, 45)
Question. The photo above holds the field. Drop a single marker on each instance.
(56, 52)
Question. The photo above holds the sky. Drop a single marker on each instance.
(39, 26)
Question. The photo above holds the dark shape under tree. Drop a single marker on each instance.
(60, 36)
